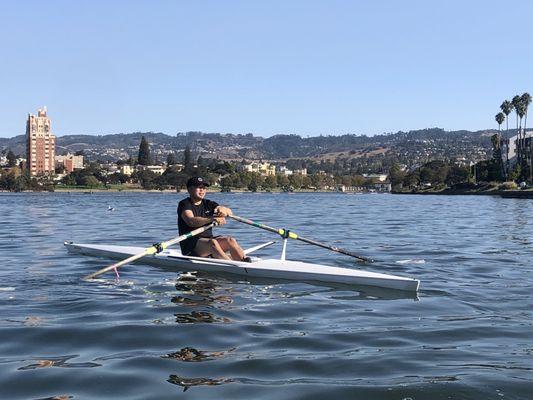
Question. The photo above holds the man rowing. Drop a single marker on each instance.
(196, 211)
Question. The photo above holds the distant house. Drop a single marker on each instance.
(127, 169)
(156, 169)
(283, 170)
(263, 168)
(376, 177)
(70, 162)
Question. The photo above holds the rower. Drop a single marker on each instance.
(196, 211)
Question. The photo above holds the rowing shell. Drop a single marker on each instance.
(263, 268)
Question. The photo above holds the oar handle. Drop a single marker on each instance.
(156, 248)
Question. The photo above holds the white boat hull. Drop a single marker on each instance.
(263, 268)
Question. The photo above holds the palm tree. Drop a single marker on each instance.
(526, 101)
(517, 105)
(500, 117)
(506, 108)
(521, 112)
(516, 101)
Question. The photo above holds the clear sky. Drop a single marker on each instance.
(265, 67)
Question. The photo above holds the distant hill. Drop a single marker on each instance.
(408, 147)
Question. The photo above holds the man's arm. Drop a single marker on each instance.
(196, 222)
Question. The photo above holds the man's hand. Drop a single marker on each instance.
(223, 211)
(219, 220)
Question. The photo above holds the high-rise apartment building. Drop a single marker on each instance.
(40, 144)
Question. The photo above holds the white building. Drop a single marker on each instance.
(156, 169)
(283, 170)
(509, 148)
(377, 177)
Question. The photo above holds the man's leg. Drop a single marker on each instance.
(229, 244)
(210, 246)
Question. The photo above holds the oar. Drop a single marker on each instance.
(156, 248)
(285, 233)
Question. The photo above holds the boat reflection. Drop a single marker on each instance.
(186, 383)
(204, 284)
(195, 317)
(190, 354)
(199, 292)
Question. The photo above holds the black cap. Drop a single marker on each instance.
(196, 181)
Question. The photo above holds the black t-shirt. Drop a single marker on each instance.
(205, 209)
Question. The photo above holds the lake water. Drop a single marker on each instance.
(156, 335)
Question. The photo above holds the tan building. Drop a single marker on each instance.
(70, 162)
(40, 144)
(263, 168)
(127, 169)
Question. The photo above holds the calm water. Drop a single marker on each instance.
(156, 334)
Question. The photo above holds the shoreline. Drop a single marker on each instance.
(517, 194)
(509, 194)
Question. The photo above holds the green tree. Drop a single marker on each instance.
(144, 157)
(506, 108)
(188, 164)
(526, 101)
(497, 141)
(118, 178)
(90, 181)
(412, 179)
(147, 179)
(457, 175)
(171, 159)
(500, 117)
(270, 182)
(396, 174)
(282, 180)
(173, 176)
(296, 181)
(226, 182)
(11, 159)
(69, 180)
(515, 101)
(519, 111)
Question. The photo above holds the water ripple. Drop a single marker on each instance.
(156, 333)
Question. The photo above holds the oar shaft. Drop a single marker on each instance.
(292, 235)
(336, 249)
(152, 250)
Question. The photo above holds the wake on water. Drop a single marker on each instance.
(411, 261)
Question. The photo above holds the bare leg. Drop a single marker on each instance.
(206, 247)
(231, 245)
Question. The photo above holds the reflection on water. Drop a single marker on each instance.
(189, 354)
(61, 362)
(195, 317)
(186, 383)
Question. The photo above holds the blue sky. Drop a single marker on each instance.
(304, 67)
